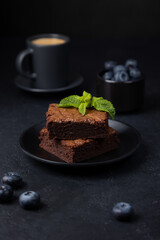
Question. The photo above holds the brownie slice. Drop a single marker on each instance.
(68, 123)
(72, 151)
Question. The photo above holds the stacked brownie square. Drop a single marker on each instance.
(73, 137)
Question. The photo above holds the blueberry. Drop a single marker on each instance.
(6, 193)
(135, 73)
(131, 63)
(123, 211)
(13, 179)
(108, 75)
(109, 65)
(119, 68)
(29, 200)
(121, 76)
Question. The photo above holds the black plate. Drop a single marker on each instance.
(27, 84)
(130, 140)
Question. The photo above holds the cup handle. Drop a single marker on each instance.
(19, 62)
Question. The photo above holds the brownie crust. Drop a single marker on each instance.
(68, 123)
(72, 151)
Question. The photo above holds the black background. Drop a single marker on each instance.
(77, 204)
(79, 18)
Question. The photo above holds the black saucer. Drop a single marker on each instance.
(27, 84)
(130, 140)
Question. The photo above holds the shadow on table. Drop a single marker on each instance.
(151, 103)
(127, 165)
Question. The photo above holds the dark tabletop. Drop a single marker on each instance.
(77, 203)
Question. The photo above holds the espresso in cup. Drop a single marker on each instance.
(48, 41)
(50, 60)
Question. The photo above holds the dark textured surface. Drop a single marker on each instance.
(77, 204)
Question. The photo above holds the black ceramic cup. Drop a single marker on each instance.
(125, 96)
(50, 60)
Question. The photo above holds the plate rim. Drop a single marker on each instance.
(74, 84)
(82, 164)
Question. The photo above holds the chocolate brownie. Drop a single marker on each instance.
(78, 150)
(68, 123)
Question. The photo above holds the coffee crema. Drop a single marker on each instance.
(48, 41)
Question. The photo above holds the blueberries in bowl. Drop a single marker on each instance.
(119, 68)
(109, 65)
(121, 76)
(13, 179)
(108, 75)
(6, 193)
(122, 73)
(135, 73)
(29, 200)
(131, 63)
(123, 211)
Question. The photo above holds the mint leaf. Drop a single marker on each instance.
(102, 104)
(82, 108)
(71, 101)
(86, 97)
(94, 99)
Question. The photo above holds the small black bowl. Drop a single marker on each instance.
(125, 96)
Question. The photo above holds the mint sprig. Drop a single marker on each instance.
(87, 101)
(71, 101)
(82, 108)
(102, 104)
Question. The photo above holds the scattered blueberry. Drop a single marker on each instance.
(108, 75)
(121, 76)
(6, 193)
(123, 211)
(131, 63)
(109, 65)
(29, 200)
(135, 73)
(119, 68)
(13, 179)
